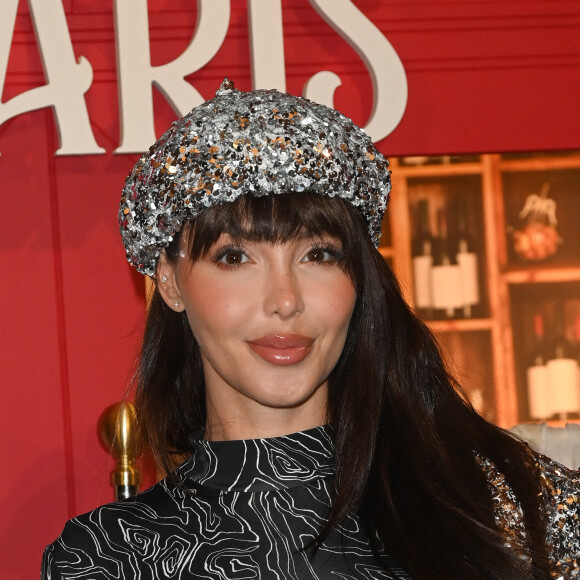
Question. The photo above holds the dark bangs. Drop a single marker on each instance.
(277, 218)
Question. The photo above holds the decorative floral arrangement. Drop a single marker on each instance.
(539, 238)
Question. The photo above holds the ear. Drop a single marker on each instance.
(167, 284)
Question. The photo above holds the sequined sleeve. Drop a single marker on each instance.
(561, 490)
(561, 493)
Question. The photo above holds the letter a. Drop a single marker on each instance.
(136, 75)
(67, 79)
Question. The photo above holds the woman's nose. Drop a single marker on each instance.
(283, 295)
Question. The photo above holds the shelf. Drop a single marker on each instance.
(438, 170)
(540, 164)
(535, 275)
(487, 353)
(461, 325)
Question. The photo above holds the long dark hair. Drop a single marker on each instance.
(407, 441)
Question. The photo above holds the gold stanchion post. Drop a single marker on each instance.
(119, 435)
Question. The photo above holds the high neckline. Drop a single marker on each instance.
(255, 465)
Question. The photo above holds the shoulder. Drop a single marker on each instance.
(106, 539)
(508, 513)
(559, 491)
(561, 497)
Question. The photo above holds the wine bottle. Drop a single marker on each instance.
(563, 368)
(466, 260)
(445, 275)
(539, 400)
(423, 260)
(538, 357)
(577, 338)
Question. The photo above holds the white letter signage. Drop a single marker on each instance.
(136, 75)
(384, 65)
(67, 80)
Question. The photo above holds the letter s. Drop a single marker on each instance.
(384, 65)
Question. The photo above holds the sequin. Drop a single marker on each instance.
(238, 143)
(560, 491)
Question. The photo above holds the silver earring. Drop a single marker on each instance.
(164, 278)
(176, 305)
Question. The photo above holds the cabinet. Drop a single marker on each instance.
(488, 351)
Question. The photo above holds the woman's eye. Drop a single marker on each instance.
(319, 255)
(233, 258)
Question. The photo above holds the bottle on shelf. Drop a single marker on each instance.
(423, 260)
(577, 338)
(563, 369)
(539, 399)
(445, 273)
(466, 260)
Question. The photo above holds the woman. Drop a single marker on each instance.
(325, 438)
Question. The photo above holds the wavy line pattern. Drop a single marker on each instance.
(247, 512)
(249, 509)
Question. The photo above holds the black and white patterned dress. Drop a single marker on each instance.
(251, 506)
(254, 505)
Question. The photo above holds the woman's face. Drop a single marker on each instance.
(271, 321)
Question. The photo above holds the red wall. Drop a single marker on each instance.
(482, 76)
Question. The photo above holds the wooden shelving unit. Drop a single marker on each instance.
(481, 351)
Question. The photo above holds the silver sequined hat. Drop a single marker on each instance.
(261, 142)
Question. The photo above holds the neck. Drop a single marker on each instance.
(252, 420)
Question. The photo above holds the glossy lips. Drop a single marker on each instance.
(282, 350)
